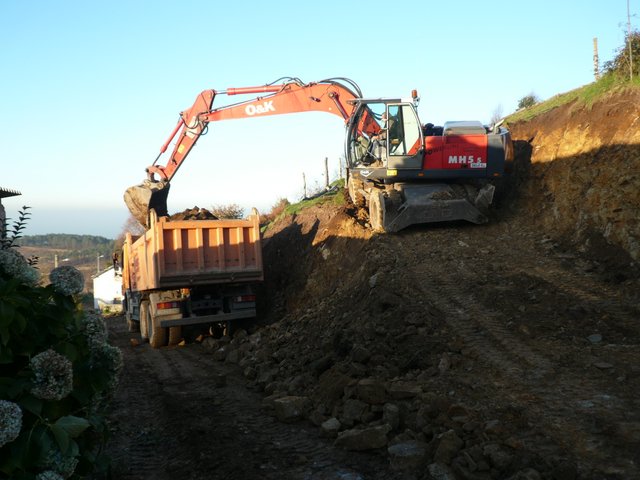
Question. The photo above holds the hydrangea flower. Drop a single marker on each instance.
(10, 421)
(95, 329)
(110, 358)
(61, 464)
(49, 475)
(16, 266)
(67, 280)
(53, 376)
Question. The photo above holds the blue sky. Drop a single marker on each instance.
(90, 90)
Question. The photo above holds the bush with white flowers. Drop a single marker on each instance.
(57, 375)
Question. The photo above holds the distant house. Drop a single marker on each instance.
(4, 193)
(107, 290)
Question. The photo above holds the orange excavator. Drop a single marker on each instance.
(405, 172)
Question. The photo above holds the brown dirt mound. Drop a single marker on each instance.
(194, 213)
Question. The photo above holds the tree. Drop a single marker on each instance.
(630, 50)
(232, 210)
(528, 101)
(497, 115)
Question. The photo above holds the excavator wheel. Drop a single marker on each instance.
(355, 188)
(377, 210)
(144, 320)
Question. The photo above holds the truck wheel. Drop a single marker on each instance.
(175, 335)
(157, 334)
(144, 320)
(376, 211)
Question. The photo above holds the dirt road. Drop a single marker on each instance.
(180, 414)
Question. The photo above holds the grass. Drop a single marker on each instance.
(584, 96)
(332, 197)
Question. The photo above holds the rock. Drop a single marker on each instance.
(373, 280)
(221, 353)
(400, 390)
(331, 427)
(603, 365)
(360, 354)
(331, 385)
(408, 455)
(232, 357)
(595, 338)
(371, 391)
(438, 471)
(364, 438)
(353, 411)
(219, 379)
(321, 365)
(448, 447)
(526, 474)
(497, 455)
(210, 344)
(290, 408)
(391, 415)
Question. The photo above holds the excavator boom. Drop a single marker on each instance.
(281, 97)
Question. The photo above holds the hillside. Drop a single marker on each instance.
(88, 253)
(512, 345)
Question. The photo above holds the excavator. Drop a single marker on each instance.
(403, 171)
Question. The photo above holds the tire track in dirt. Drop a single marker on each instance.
(174, 418)
(568, 402)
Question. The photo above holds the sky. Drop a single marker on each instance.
(90, 90)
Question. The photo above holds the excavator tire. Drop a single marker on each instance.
(144, 320)
(355, 188)
(377, 210)
(157, 334)
(175, 335)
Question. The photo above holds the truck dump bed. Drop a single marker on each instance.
(187, 253)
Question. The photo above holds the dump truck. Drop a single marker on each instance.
(191, 272)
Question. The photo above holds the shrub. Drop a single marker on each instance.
(528, 101)
(232, 210)
(620, 63)
(57, 375)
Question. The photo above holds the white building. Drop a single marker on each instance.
(107, 290)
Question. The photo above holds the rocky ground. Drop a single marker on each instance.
(503, 351)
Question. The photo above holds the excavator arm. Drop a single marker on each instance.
(335, 96)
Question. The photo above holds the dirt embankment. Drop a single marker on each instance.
(583, 172)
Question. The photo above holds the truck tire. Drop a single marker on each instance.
(157, 334)
(376, 211)
(175, 335)
(144, 320)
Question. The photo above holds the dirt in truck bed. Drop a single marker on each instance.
(501, 351)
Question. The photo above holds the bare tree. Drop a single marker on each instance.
(497, 115)
(232, 210)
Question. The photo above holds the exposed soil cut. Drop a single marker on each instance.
(501, 351)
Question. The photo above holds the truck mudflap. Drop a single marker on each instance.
(428, 203)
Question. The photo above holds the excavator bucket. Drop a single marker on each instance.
(428, 204)
(140, 199)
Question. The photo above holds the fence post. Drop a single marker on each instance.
(304, 185)
(596, 62)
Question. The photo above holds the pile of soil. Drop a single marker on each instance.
(194, 213)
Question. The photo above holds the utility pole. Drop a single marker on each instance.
(326, 173)
(304, 185)
(629, 41)
(596, 62)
